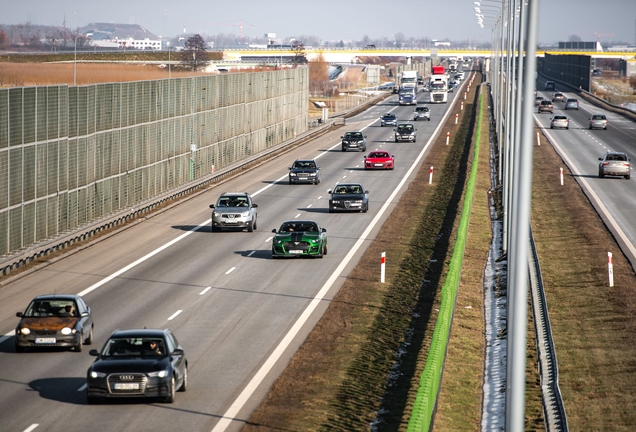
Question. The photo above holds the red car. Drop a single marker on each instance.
(379, 159)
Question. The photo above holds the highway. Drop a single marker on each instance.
(239, 314)
(581, 147)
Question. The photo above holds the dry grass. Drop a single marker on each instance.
(593, 325)
(31, 74)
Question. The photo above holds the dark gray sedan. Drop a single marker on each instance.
(614, 164)
(349, 197)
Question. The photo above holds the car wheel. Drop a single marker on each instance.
(600, 174)
(78, 347)
(567, 128)
(590, 128)
(366, 209)
(255, 221)
(89, 339)
(627, 177)
(170, 397)
(551, 127)
(605, 128)
(250, 228)
(19, 349)
(396, 140)
(344, 149)
(274, 256)
(184, 384)
(331, 210)
(290, 182)
(324, 251)
(215, 229)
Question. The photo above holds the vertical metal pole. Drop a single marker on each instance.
(516, 380)
(75, 64)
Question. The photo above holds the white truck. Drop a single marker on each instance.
(409, 80)
(438, 85)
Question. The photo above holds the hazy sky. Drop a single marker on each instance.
(328, 19)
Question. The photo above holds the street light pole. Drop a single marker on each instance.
(169, 72)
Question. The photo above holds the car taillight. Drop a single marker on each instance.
(606, 163)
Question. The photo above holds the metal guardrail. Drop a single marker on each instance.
(553, 409)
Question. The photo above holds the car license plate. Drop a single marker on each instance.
(377, 164)
(295, 251)
(44, 340)
(231, 221)
(126, 386)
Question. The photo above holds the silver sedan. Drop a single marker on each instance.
(560, 121)
(614, 164)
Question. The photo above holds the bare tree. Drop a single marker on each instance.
(300, 54)
(194, 54)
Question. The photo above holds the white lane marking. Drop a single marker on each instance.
(174, 315)
(32, 427)
(351, 171)
(142, 259)
(230, 270)
(7, 336)
(297, 216)
(82, 388)
(319, 197)
(344, 176)
(251, 253)
(309, 205)
(268, 239)
(205, 290)
(357, 166)
(269, 364)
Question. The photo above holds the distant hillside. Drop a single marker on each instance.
(29, 36)
(120, 31)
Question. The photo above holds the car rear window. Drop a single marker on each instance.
(616, 157)
(598, 117)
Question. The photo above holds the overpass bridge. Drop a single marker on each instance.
(346, 55)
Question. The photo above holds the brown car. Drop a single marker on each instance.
(545, 106)
(55, 320)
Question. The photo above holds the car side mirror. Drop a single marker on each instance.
(254, 205)
(366, 191)
(290, 168)
(341, 137)
(365, 136)
(84, 314)
(324, 230)
(177, 352)
(274, 230)
(94, 353)
(600, 159)
(393, 130)
(211, 205)
(329, 191)
(19, 314)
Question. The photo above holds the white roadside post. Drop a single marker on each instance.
(447, 137)
(456, 117)
(561, 169)
(610, 269)
(382, 265)
(538, 140)
(430, 176)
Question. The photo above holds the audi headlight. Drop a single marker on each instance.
(159, 374)
(97, 374)
(25, 331)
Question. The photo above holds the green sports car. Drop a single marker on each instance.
(299, 238)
